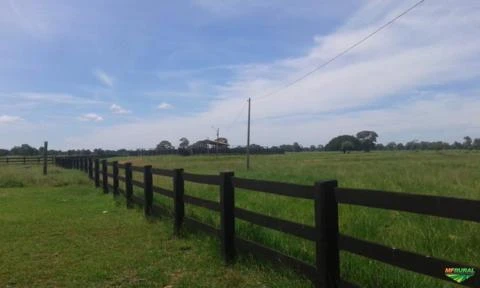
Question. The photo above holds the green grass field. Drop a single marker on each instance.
(444, 173)
(59, 231)
(56, 233)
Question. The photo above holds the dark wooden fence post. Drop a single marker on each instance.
(148, 189)
(128, 184)
(115, 178)
(97, 173)
(90, 168)
(24, 160)
(105, 176)
(227, 222)
(326, 226)
(85, 164)
(45, 150)
(179, 205)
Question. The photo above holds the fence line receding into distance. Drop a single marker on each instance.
(324, 233)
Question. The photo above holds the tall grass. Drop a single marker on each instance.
(68, 234)
(452, 173)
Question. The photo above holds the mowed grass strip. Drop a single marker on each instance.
(59, 231)
(442, 173)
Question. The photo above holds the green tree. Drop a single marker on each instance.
(335, 143)
(467, 144)
(346, 146)
(24, 150)
(457, 145)
(164, 146)
(184, 143)
(391, 146)
(297, 147)
(367, 139)
(476, 143)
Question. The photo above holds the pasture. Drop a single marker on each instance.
(59, 231)
(443, 173)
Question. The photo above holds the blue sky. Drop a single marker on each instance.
(128, 74)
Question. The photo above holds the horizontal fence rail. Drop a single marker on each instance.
(164, 192)
(325, 272)
(257, 249)
(26, 160)
(163, 172)
(446, 207)
(211, 205)
(299, 230)
(407, 260)
(202, 179)
(285, 189)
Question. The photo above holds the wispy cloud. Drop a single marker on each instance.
(373, 87)
(7, 119)
(90, 117)
(104, 78)
(164, 106)
(49, 98)
(41, 20)
(189, 73)
(117, 109)
(199, 90)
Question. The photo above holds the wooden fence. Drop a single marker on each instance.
(325, 233)
(26, 160)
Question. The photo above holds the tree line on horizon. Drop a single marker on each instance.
(362, 141)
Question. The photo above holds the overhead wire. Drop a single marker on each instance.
(351, 47)
(343, 52)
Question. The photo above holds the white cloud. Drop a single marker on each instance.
(91, 117)
(397, 83)
(164, 106)
(41, 20)
(193, 89)
(49, 98)
(117, 109)
(104, 78)
(7, 119)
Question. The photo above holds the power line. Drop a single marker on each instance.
(343, 52)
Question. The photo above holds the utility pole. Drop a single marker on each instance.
(45, 154)
(248, 136)
(216, 140)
